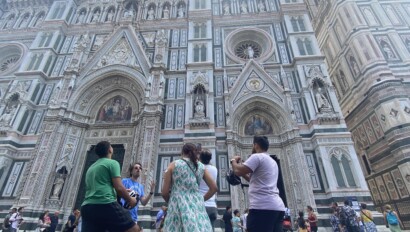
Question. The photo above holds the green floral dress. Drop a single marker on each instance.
(186, 209)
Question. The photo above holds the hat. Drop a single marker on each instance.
(232, 178)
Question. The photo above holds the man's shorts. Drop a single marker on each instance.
(259, 220)
(101, 217)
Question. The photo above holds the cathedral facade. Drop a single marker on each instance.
(151, 75)
(367, 48)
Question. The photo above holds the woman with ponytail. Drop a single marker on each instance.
(186, 208)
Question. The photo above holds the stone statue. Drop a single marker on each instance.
(96, 16)
(389, 53)
(129, 14)
(79, 47)
(199, 108)
(227, 9)
(6, 118)
(39, 20)
(244, 7)
(261, 6)
(151, 12)
(110, 16)
(321, 100)
(251, 53)
(58, 186)
(166, 13)
(81, 17)
(181, 12)
(10, 22)
(355, 67)
(24, 21)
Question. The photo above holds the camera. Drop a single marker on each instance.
(132, 193)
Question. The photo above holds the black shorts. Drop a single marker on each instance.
(111, 217)
(260, 220)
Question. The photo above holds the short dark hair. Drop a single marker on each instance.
(205, 156)
(131, 167)
(262, 141)
(235, 211)
(363, 205)
(102, 148)
(347, 202)
(228, 207)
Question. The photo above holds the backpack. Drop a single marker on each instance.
(392, 219)
(6, 222)
(348, 216)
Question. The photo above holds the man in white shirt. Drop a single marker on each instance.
(16, 220)
(205, 157)
(266, 208)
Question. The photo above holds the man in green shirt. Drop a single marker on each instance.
(100, 210)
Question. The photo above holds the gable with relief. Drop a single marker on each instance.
(255, 84)
(116, 110)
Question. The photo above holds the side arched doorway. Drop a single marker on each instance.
(261, 116)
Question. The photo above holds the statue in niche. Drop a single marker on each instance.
(181, 11)
(161, 38)
(8, 114)
(40, 19)
(151, 12)
(199, 108)
(261, 6)
(58, 186)
(244, 7)
(227, 9)
(355, 67)
(110, 16)
(79, 47)
(10, 22)
(129, 14)
(388, 51)
(321, 100)
(81, 17)
(166, 13)
(25, 21)
(95, 16)
(250, 52)
(257, 125)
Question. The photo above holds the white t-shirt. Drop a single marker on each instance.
(15, 220)
(263, 191)
(203, 187)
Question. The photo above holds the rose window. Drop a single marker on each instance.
(8, 62)
(248, 48)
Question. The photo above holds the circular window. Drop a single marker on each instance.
(247, 49)
(12, 59)
(246, 43)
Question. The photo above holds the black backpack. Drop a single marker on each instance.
(6, 222)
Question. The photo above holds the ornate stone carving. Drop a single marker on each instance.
(120, 54)
(161, 40)
(79, 48)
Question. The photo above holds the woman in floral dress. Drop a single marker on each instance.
(186, 209)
